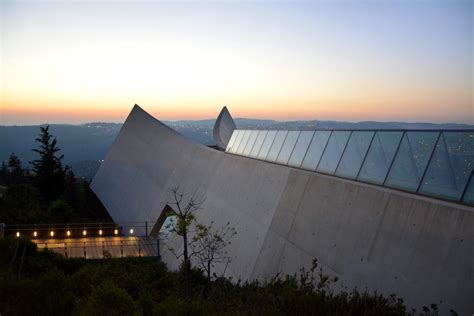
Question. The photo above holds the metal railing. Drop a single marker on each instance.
(104, 247)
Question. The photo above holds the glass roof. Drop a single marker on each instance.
(433, 163)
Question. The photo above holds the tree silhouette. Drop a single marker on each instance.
(15, 172)
(48, 170)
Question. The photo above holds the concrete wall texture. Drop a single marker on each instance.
(419, 248)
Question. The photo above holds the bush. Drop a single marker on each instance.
(109, 299)
(53, 285)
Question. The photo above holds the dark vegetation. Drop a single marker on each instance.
(50, 284)
(48, 192)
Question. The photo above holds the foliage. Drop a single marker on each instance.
(53, 285)
(61, 211)
(208, 245)
(109, 299)
(50, 194)
(48, 170)
(184, 209)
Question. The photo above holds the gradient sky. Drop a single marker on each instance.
(86, 61)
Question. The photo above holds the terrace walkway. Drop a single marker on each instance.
(102, 247)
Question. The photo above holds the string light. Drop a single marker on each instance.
(17, 234)
(84, 232)
(35, 234)
(52, 234)
(100, 232)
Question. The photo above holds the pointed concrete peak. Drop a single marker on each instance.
(223, 128)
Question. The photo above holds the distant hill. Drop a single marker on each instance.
(85, 146)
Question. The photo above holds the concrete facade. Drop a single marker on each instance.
(223, 128)
(419, 248)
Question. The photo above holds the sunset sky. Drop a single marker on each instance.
(87, 61)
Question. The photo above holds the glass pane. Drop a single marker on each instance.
(258, 143)
(251, 141)
(267, 144)
(451, 166)
(411, 159)
(333, 152)
(469, 195)
(243, 142)
(238, 139)
(315, 150)
(379, 157)
(276, 146)
(231, 141)
(287, 148)
(300, 148)
(354, 154)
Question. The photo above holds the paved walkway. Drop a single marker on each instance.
(97, 247)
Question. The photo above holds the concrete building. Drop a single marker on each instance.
(300, 196)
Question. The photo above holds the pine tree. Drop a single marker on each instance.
(48, 170)
(15, 174)
(3, 173)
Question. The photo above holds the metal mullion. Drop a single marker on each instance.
(281, 148)
(393, 158)
(466, 186)
(449, 161)
(324, 150)
(248, 143)
(270, 148)
(243, 148)
(343, 152)
(250, 151)
(365, 156)
(294, 146)
(307, 149)
(428, 163)
(263, 142)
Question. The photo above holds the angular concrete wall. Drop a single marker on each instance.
(419, 248)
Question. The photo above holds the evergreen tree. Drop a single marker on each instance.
(48, 170)
(3, 173)
(15, 174)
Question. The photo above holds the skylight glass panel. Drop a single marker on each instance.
(258, 144)
(380, 156)
(231, 140)
(451, 166)
(243, 143)
(354, 154)
(301, 148)
(250, 142)
(287, 147)
(469, 194)
(267, 144)
(315, 150)
(276, 146)
(411, 160)
(333, 152)
(238, 139)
